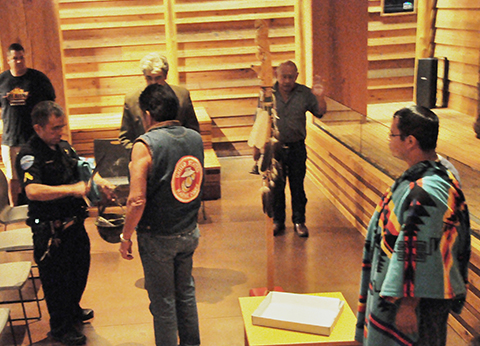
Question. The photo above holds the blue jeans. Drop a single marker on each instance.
(167, 263)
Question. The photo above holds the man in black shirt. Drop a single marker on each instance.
(21, 88)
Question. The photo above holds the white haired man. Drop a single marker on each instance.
(155, 70)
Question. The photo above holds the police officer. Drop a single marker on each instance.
(57, 209)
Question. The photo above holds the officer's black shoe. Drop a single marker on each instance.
(301, 230)
(72, 337)
(278, 229)
(85, 315)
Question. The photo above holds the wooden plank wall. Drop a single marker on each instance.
(457, 37)
(391, 55)
(105, 40)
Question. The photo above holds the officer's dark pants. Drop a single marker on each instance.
(292, 159)
(63, 274)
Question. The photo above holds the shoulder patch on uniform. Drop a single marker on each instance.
(26, 162)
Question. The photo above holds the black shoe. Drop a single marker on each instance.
(255, 170)
(73, 337)
(85, 315)
(278, 229)
(301, 230)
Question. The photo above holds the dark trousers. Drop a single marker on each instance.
(432, 324)
(63, 273)
(292, 158)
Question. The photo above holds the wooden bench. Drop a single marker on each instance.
(212, 187)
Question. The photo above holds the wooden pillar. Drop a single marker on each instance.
(300, 41)
(425, 42)
(171, 41)
(35, 24)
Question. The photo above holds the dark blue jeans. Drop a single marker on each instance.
(292, 159)
(167, 264)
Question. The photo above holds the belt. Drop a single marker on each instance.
(178, 235)
(293, 144)
(55, 227)
(59, 224)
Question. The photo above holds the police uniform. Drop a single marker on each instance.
(61, 243)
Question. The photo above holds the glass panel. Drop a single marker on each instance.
(368, 137)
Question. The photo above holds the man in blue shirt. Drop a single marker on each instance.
(293, 100)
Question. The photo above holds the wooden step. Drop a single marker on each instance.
(391, 86)
(231, 35)
(398, 72)
(112, 25)
(230, 5)
(234, 18)
(389, 41)
(111, 11)
(117, 41)
(390, 95)
(379, 26)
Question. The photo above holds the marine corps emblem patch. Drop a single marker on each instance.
(187, 179)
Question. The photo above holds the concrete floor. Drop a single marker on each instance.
(230, 260)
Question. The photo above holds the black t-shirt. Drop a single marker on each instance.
(18, 96)
(37, 163)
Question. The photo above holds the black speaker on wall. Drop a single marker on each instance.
(427, 82)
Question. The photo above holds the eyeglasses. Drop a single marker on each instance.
(392, 135)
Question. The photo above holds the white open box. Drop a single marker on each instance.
(298, 312)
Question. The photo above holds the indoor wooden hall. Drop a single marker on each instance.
(230, 260)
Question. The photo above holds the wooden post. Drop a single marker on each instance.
(266, 76)
(307, 48)
(299, 41)
(35, 24)
(267, 103)
(171, 41)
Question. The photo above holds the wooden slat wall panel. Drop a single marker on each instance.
(216, 49)
(391, 56)
(105, 40)
(458, 38)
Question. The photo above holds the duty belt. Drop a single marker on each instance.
(56, 227)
